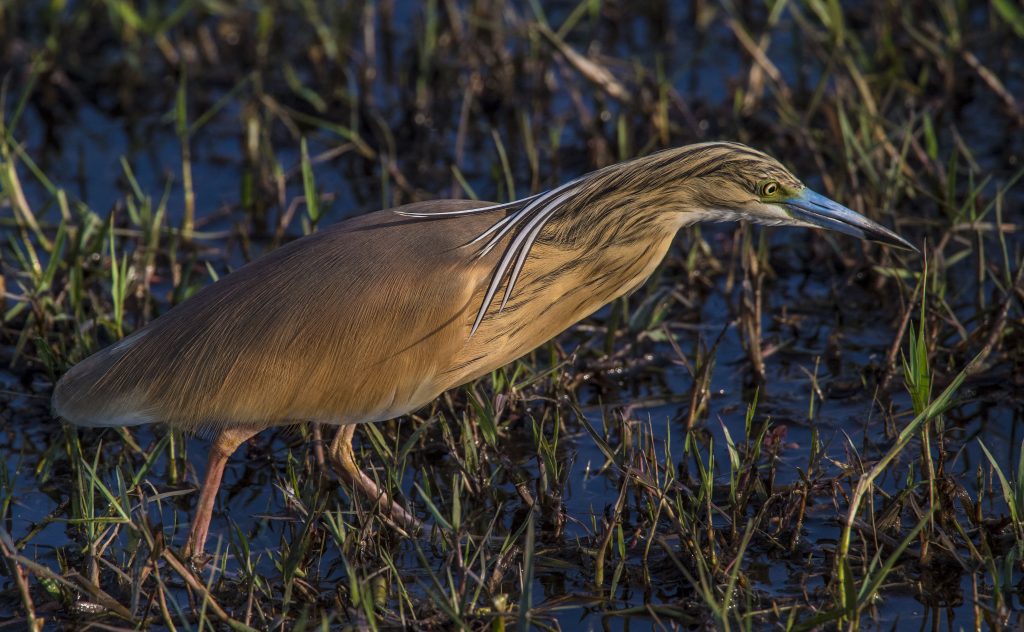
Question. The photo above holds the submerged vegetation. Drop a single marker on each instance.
(782, 429)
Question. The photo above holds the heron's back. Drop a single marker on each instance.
(354, 323)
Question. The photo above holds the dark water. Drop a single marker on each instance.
(843, 327)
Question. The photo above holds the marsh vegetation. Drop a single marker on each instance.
(781, 429)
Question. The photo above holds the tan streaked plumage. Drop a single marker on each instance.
(374, 317)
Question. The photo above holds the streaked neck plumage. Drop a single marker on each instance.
(587, 227)
(561, 255)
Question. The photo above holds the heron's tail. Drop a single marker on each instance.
(85, 396)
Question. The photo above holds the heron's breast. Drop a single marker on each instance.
(556, 290)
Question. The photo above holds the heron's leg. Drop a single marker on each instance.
(318, 445)
(222, 448)
(342, 456)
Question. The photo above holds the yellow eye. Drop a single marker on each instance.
(769, 189)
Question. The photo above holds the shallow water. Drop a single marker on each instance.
(824, 322)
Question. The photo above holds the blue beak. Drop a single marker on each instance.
(820, 211)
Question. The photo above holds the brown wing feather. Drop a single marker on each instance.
(355, 323)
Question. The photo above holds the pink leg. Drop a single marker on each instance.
(345, 463)
(223, 447)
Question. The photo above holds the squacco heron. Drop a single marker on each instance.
(374, 317)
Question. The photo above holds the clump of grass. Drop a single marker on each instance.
(659, 464)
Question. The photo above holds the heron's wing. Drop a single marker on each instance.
(350, 324)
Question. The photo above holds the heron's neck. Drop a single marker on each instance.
(622, 216)
(584, 260)
(646, 198)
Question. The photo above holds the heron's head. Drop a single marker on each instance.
(729, 181)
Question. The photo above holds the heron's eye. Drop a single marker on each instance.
(770, 188)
